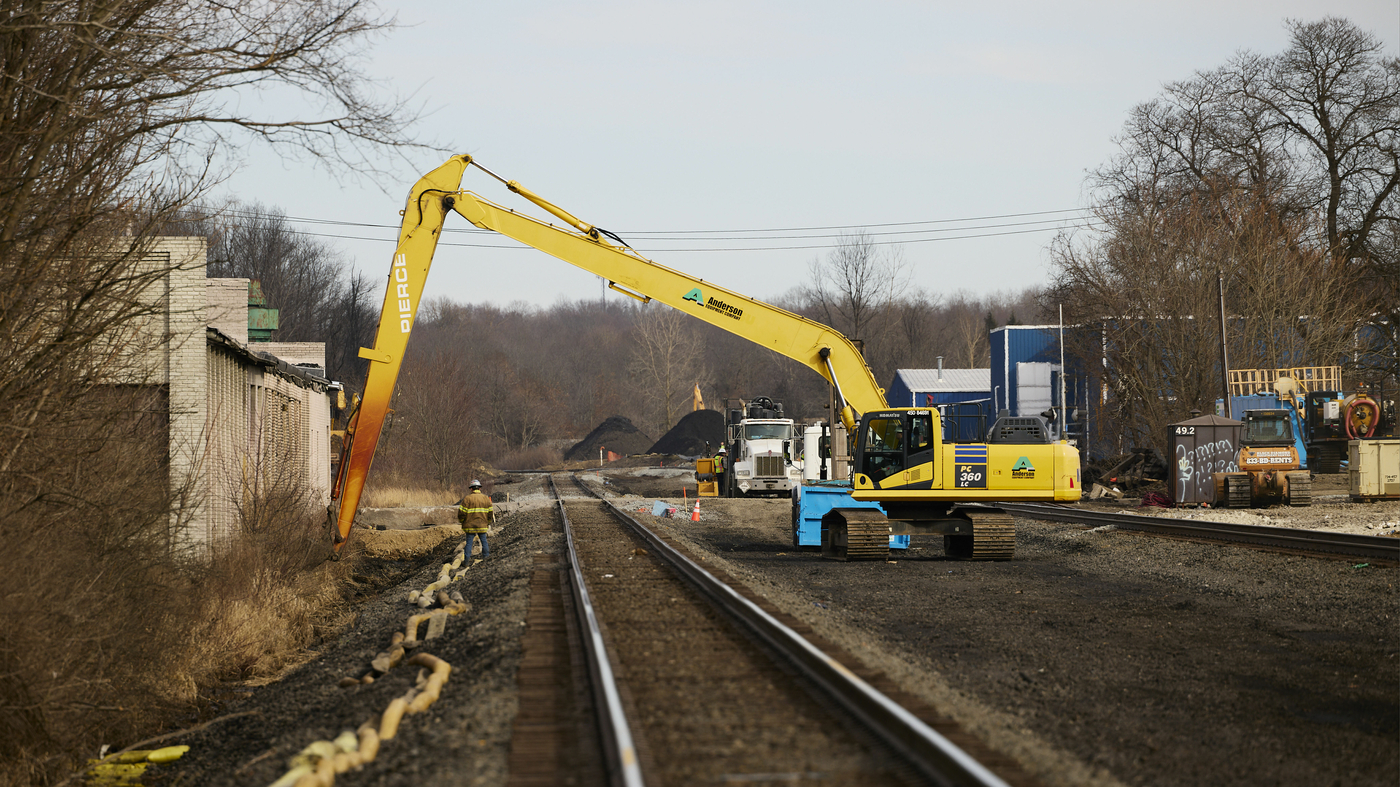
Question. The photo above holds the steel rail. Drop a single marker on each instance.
(930, 753)
(1349, 545)
(619, 747)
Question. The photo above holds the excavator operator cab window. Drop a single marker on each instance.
(883, 453)
(920, 433)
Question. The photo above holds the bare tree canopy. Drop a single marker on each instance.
(119, 113)
(853, 286)
(1314, 130)
(667, 361)
(1279, 174)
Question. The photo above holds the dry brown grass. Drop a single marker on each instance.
(110, 631)
(408, 497)
(534, 458)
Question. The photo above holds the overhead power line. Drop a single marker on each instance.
(943, 233)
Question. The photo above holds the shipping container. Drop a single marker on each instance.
(1374, 469)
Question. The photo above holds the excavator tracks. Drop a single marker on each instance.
(855, 534)
(1237, 492)
(993, 537)
(1299, 490)
(863, 534)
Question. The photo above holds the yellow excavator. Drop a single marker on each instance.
(925, 484)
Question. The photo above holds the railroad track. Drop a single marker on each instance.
(693, 680)
(1307, 542)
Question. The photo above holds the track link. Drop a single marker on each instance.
(1329, 457)
(1299, 490)
(855, 534)
(1237, 492)
(993, 537)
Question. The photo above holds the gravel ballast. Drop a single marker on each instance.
(1096, 657)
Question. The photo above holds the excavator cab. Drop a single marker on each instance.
(892, 442)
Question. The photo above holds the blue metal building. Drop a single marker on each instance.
(932, 387)
(963, 396)
(1026, 373)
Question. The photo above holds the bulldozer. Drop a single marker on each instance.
(1270, 466)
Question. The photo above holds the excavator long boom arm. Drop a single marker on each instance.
(821, 348)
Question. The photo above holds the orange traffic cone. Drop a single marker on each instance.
(695, 515)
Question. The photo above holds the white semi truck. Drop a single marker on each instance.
(761, 450)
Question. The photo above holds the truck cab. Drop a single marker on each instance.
(761, 441)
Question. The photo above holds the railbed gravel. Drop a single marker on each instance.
(1097, 657)
(1101, 656)
(463, 739)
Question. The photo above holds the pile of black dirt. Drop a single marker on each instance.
(689, 435)
(616, 435)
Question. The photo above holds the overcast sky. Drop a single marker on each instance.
(705, 133)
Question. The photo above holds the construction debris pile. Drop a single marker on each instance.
(616, 436)
(691, 434)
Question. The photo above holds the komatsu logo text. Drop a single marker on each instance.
(400, 282)
(713, 304)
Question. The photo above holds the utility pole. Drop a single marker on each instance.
(1064, 425)
(1224, 347)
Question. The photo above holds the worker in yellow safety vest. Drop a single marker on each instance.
(476, 514)
(721, 458)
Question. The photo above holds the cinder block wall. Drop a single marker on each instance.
(296, 353)
(228, 307)
(236, 429)
(186, 377)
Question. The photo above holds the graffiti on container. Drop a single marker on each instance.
(1195, 468)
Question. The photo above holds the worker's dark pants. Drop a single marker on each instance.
(467, 547)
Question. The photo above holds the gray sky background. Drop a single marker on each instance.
(711, 123)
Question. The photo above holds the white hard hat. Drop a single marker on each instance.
(722, 451)
(475, 483)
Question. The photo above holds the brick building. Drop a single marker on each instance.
(246, 420)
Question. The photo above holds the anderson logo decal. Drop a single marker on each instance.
(713, 304)
(1023, 468)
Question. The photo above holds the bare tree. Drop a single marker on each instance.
(434, 411)
(301, 276)
(119, 113)
(854, 286)
(667, 362)
(350, 325)
(1149, 289)
(1311, 133)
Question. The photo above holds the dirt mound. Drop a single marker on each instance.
(616, 435)
(689, 435)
